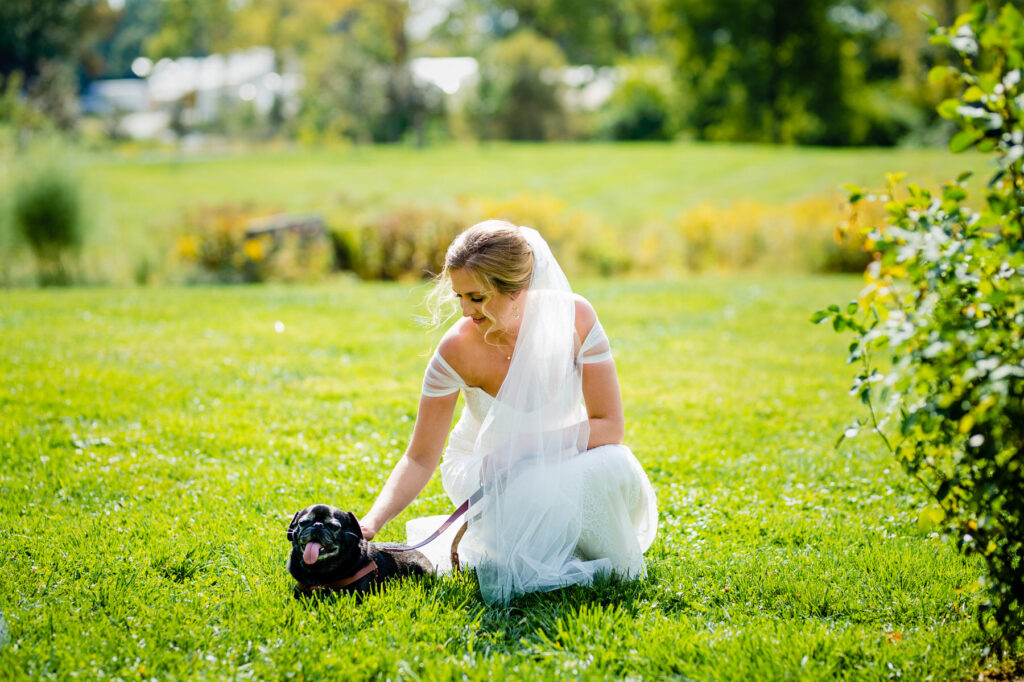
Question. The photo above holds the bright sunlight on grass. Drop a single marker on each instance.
(156, 442)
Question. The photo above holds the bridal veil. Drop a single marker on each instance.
(524, 530)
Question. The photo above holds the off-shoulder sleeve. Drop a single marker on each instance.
(595, 347)
(440, 379)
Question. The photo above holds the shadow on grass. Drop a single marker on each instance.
(525, 617)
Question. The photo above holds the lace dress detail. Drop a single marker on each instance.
(618, 505)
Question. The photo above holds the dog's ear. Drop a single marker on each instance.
(294, 525)
(347, 520)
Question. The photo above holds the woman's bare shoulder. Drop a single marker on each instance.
(456, 343)
(586, 316)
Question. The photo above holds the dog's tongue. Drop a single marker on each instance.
(311, 553)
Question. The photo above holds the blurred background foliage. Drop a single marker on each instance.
(347, 73)
(822, 72)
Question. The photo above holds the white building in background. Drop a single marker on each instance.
(247, 76)
(450, 74)
(587, 88)
(199, 86)
(198, 89)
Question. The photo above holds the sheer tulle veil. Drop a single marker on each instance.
(524, 530)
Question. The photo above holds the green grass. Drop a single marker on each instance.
(627, 181)
(136, 202)
(155, 443)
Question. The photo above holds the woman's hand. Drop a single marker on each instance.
(368, 533)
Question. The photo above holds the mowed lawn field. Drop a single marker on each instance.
(136, 203)
(624, 181)
(155, 443)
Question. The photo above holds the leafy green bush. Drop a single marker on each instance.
(47, 211)
(354, 94)
(410, 241)
(405, 242)
(519, 95)
(945, 303)
(797, 236)
(221, 246)
(641, 106)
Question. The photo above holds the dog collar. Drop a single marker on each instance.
(344, 582)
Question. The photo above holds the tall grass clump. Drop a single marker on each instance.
(406, 241)
(409, 241)
(47, 213)
(219, 245)
(800, 236)
(402, 242)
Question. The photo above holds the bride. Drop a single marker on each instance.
(555, 496)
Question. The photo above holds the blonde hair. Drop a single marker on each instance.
(496, 254)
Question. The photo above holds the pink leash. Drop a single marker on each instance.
(456, 515)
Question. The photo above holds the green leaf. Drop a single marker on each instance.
(820, 316)
(938, 74)
(954, 193)
(973, 94)
(930, 517)
(947, 109)
(963, 140)
(964, 176)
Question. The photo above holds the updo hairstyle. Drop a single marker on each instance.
(498, 256)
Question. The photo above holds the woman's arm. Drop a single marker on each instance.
(414, 469)
(604, 404)
(600, 387)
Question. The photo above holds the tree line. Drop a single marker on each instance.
(822, 72)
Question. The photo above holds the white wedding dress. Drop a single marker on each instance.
(617, 506)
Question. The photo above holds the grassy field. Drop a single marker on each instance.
(626, 181)
(135, 202)
(156, 442)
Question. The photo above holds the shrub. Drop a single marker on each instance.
(945, 303)
(404, 242)
(799, 236)
(47, 211)
(410, 241)
(582, 243)
(519, 95)
(641, 106)
(218, 242)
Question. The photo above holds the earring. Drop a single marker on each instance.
(515, 312)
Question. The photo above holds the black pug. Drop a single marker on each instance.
(329, 554)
